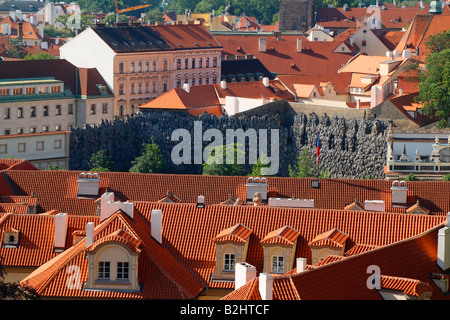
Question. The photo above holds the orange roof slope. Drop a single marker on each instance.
(281, 56)
(201, 225)
(161, 276)
(236, 233)
(332, 194)
(409, 264)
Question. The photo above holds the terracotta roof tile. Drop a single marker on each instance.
(236, 233)
(410, 287)
(284, 235)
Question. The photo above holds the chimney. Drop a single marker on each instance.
(389, 54)
(88, 184)
(57, 40)
(20, 27)
(406, 54)
(200, 201)
(376, 96)
(108, 206)
(41, 30)
(223, 84)
(395, 54)
(291, 203)
(186, 87)
(266, 286)
(265, 81)
(156, 225)
(443, 249)
(255, 184)
(61, 223)
(357, 103)
(244, 272)
(89, 233)
(399, 192)
(374, 205)
(299, 44)
(262, 44)
(301, 265)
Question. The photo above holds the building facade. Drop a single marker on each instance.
(140, 63)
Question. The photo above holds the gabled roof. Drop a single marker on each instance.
(236, 233)
(157, 268)
(284, 235)
(410, 287)
(333, 238)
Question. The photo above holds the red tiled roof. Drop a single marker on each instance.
(332, 194)
(333, 237)
(36, 243)
(183, 36)
(411, 261)
(202, 225)
(284, 235)
(281, 56)
(340, 81)
(410, 287)
(236, 233)
(161, 276)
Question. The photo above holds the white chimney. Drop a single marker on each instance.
(88, 184)
(262, 44)
(6, 28)
(57, 40)
(406, 54)
(357, 103)
(41, 30)
(352, 39)
(244, 272)
(376, 96)
(443, 249)
(299, 44)
(395, 53)
(266, 286)
(256, 184)
(223, 84)
(156, 225)
(266, 81)
(89, 233)
(399, 192)
(301, 265)
(200, 201)
(186, 87)
(389, 54)
(374, 205)
(61, 223)
(108, 208)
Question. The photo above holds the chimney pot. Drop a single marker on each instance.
(223, 84)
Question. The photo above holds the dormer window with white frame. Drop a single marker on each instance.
(113, 263)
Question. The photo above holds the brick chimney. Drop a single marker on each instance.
(244, 272)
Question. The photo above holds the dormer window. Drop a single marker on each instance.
(279, 249)
(113, 263)
(231, 248)
(11, 238)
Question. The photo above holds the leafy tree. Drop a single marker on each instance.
(256, 169)
(153, 15)
(150, 161)
(434, 86)
(53, 32)
(53, 167)
(110, 19)
(100, 161)
(221, 167)
(13, 291)
(304, 166)
(39, 56)
(16, 49)
(411, 177)
(447, 177)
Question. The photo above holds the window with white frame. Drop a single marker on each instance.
(229, 262)
(104, 270)
(277, 264)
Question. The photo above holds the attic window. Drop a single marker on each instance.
(11, 238)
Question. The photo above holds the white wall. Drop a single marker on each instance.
(95, 53)
(234, 105)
